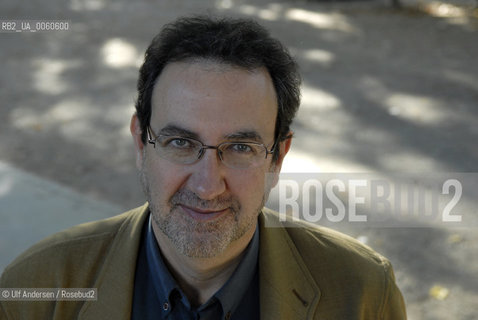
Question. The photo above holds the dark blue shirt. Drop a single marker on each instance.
(158, 296)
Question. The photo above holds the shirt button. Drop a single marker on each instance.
(228, 316)
(165, 306)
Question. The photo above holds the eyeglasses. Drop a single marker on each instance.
(234, 155)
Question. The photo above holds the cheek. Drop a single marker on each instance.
(249, 188)
(164, 179)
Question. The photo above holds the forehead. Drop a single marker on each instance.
(213, 98)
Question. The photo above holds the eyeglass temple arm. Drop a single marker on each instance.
(276, 143)
(150, 136)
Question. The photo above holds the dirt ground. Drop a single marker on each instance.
(384, 91)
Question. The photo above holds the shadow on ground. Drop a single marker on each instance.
(383, 91)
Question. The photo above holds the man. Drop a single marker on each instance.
(216, 98)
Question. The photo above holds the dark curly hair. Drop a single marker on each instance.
(240, 43)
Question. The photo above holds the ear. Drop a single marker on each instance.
(284, 147)
(135, 129)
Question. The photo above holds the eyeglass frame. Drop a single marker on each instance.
(204, 147)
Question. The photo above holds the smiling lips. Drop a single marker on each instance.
(203, 214)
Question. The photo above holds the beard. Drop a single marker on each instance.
(193, 238)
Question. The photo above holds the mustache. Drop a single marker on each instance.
(190, 199)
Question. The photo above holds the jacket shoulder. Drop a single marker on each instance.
(320, 242)
(347, 272)
(85, 256)
(74, 251)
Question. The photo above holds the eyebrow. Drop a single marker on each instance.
(174, 130)
(245, 135)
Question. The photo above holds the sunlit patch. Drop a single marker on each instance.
(271, 13)
(24, 118)
(363, 239)
(317, 55)
(61, 113)
(47, 75)
(118, 53)
(460, 14)
(417, 161)
(439, 292)
(300, 162)
(419, 109)
(92, 5)
(225, 4)
(333, 21)
(297, 161)
(444, 10)
(74, 122)
(318, 99)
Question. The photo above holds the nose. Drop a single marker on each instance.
(208, 178)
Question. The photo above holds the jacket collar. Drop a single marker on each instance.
(288, 290)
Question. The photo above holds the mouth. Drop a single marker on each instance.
(203, 214)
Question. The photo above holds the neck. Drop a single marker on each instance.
(201, 278)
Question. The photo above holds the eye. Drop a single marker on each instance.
(180, 143)
(241, 148)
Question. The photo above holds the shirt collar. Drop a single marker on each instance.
(163, 282)
(230, 294)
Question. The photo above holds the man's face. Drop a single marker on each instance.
(202, 208)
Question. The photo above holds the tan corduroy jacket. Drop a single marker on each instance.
(306, 272)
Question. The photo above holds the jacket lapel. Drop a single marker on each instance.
(287, 289)
(115, 283)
